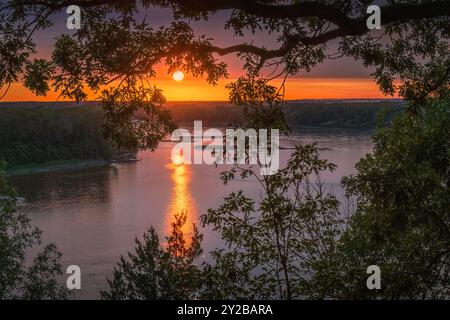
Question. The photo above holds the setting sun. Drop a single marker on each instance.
(178, 76)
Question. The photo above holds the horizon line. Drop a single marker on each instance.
(221, 101)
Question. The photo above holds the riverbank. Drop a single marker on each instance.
(56, 165)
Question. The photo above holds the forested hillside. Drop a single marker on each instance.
(40, 134)
(356, 114)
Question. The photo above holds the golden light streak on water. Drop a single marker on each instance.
(181, 198)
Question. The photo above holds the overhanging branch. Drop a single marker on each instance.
(345, 25)
(353, 27)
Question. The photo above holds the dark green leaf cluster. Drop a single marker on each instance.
(18, 279)
(156, 271)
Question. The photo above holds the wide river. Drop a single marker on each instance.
(94, 215)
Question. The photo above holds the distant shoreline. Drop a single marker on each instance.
(53, 132)
(337, 100)
(58, 165)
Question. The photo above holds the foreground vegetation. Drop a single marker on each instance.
(292, 243)
(18, 279)
(296, 242)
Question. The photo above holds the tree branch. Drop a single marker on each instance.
(352, 27)
(328, 12)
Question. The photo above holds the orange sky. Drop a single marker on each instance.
(199, 90)
(335, 78)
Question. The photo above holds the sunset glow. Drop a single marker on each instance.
(177, 159)
(199, 90)
(181, 199)
(178, 76)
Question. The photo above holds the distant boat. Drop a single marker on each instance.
(125, 158)
(129, 157)
(129, 160)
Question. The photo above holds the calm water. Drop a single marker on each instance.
(94, 215)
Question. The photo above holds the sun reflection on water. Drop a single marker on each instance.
(181, 199)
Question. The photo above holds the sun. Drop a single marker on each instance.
(178, 76)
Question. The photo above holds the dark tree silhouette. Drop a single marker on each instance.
(401, 190)
(19, 279)
(116, 46)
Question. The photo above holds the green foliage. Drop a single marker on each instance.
(262, 103)
(402, 217)
(154, 271)
(273, 248)
(17, 279)
(134, 117)
(291, 245)
(296, 242)
(418, 56)
(36, 135)
(115, 56)
(37, 75)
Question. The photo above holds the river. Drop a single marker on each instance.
(93, 215)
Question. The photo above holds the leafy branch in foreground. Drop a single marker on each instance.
(17, 280)
(274, 248)
(402, 218)
(135, 118)
(155, 271)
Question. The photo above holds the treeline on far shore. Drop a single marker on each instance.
(32, 132)
(346, 114)
(40, 134)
